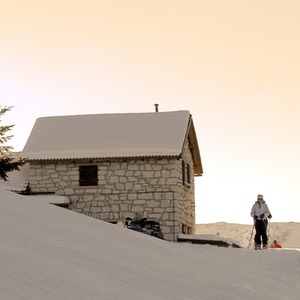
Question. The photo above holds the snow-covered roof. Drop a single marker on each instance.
(209, 239)
(52, 199)
(109, 136)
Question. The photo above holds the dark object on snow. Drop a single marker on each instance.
(145, 226)
(206, 239)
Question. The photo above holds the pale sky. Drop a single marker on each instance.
(233, 64)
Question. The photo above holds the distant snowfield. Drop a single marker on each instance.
(47, 253)
(287, 234)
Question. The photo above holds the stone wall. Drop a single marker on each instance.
(150, 188)
(187, 196)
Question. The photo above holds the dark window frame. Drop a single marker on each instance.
(186, 173)
(88, 175)
(183, 172)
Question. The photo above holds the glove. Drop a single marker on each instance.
(255, 218)
(262, 216)
(270, 216)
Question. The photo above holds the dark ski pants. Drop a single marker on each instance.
(261, 232)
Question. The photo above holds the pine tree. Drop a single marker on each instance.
(8, 161)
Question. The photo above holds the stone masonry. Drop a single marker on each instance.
(152, 188)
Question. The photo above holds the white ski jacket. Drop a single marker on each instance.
(260, 208)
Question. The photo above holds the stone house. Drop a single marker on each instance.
(114, 166)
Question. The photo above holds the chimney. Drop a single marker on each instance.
(156, 107)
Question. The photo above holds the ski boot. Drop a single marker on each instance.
(257, 247)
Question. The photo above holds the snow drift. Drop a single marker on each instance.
(47, 252)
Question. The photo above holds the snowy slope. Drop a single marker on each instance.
(47, 252)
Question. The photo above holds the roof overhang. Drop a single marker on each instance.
(192, 138)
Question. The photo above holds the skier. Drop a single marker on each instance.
(260, 213)
(275, 245)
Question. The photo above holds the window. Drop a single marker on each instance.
(186, 173)
(185, 229)
(183, 172)
(88, 175)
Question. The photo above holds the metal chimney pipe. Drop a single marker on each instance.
(156, 107)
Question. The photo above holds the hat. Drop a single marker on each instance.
(259, 196)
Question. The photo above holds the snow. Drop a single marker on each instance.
(286, 234)
(108, 135)
(18, 180)
(208, 238)
(48, 252)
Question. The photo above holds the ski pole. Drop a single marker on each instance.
(250, 240)
(269, 232)
(267, 225)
